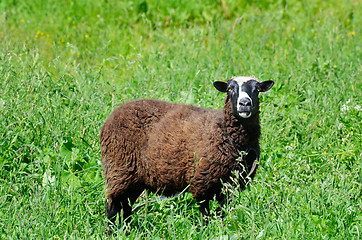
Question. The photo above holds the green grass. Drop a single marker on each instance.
(65, 65)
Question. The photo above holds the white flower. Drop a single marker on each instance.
(260, 234)
(344, 108)
(48, 179)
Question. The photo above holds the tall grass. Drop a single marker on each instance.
(65, 65)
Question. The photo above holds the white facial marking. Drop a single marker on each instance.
(243, 94)
(241, 79)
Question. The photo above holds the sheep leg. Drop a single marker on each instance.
(205, 210)
(113, 206)
(221, 199)
(127, 210)
(122, 203)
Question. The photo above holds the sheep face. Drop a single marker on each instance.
(243, 94)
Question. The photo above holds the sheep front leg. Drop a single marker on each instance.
(205, 211)
(221, 199)
(204, 208)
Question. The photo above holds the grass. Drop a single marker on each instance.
(65, 65)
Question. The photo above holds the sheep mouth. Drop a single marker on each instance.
(245, 112)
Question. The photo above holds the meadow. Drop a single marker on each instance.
(65, 65)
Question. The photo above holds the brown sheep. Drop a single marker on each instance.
(166, 147)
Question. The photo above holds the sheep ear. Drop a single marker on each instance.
(221, 86)
(265, 86)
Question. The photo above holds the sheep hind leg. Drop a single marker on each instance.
(113, 207)
(122, 203)
(127, 206)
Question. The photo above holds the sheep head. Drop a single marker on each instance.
(243, 93)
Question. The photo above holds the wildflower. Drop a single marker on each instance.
(37, 34)
(74, 27)
(86, 36)
(345, 106)
(22, 20)
(78, 53)
(293, 29)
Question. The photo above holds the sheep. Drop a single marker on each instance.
(166, 147)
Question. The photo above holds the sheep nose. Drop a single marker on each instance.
(245, 102)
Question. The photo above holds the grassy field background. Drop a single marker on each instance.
(65, 65)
